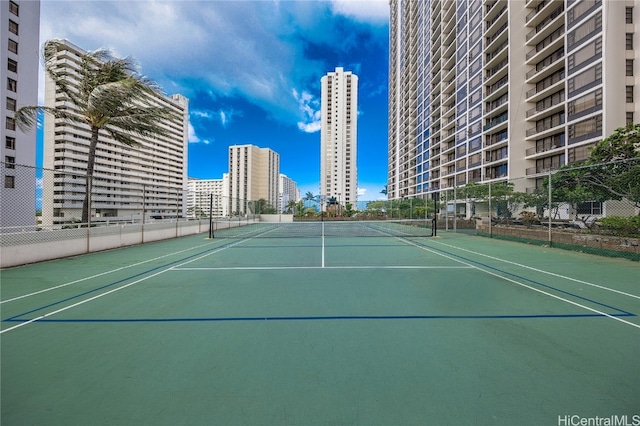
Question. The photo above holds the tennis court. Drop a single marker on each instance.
(321, 323)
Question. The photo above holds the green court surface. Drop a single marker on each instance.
(317, 330)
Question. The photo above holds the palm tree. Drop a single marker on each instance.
(384, 191)
(291, 206)
(109, 96)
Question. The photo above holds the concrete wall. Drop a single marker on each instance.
(276, 218)
(571, 238)
(38, 246)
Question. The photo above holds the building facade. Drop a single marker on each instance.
(19, 55)
(129, 183)
(253, 175)
(491, 90)
(339, 137)
(208, 197)
(287, 192)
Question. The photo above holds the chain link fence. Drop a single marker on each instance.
(593, 208)
(58, 213)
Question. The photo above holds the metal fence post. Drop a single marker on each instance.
(549, 201)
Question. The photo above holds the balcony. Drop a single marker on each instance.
(546, 26)
(546, 125)
(543, 169)
(546, 86)
(496, 121)
(547, 66)
(495, 87)
(552, 42)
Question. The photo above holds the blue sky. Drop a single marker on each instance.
(251, 71)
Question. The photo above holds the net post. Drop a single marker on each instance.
(434, 221)
(211, 235)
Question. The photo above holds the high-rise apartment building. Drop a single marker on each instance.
(19, 56)
(147, 180)
(339, 136)
(287, 192)
(491, 90)
(253, 176)
(208, 197)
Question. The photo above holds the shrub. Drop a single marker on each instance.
(621, 226)
(528, 218)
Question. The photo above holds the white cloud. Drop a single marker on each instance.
(224, 116)
(193, 138)
(309, 107)
(362, 192)
(375, 11)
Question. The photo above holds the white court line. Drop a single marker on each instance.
(323, 244)
(527, 286)
(82, 302)
(541, 271)
(101, 274)
(267, 268)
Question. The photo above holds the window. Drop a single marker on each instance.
(9, 181)
(629, 41)
(13, 46)
(629, 94)
(590, 208)
(12, 65)
(581, 9)
(10, 162)
(13, 27)
(585, 104)
(585, 80)
(589, 128)
(585, 30)
(629, 117)
(14, 8)
(585, 55)
(628, 12)
(579, 153)
(10, 142)
(10, 123)
(629, 68)
(11, 104)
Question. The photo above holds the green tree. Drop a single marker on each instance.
(611, 172)
(110, 96)
(613, 166)
(291, 206)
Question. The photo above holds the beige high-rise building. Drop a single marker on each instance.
(19, 56)
(253, 175)
(339, 137)
(148, 180)
(492, 90)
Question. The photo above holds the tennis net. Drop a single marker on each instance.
(377, 228)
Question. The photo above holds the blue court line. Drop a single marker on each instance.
(116, 282)
(319, 318)
(528, 280)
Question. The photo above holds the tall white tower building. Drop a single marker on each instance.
(288, 192)
(490, 90)
(19, 57)
(339, 137)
